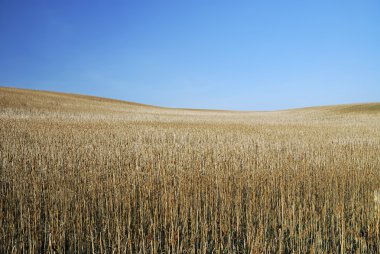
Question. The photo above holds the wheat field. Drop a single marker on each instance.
(81, 174)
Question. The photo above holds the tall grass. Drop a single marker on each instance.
(135, 179)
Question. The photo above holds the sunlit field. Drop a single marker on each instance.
(83, 174)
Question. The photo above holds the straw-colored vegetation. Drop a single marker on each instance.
(88, 175)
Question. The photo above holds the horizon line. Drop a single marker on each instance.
(183, 108)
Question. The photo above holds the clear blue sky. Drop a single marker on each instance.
(197, 54)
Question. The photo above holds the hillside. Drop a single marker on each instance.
(363, 108)
(24, 99)
(81, 174)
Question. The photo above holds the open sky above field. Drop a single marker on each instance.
(250, 55)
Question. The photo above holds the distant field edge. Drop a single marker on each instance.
(365, 107)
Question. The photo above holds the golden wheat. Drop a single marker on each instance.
(88, 175)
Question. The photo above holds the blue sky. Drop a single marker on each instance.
(249, 55)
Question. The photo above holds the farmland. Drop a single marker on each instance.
(81, 174)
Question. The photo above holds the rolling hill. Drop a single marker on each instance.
(81, 174)
(55, 101)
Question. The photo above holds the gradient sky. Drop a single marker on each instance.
(251, 55)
